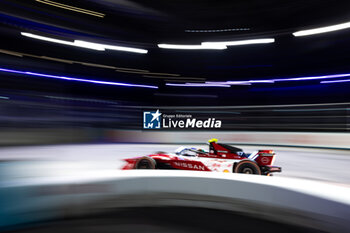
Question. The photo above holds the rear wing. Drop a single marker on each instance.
(263, 157)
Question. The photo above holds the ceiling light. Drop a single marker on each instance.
(190, 47)
(72, 8)
(217, 45)
(75, 79)
(46, 38)
(85, 44)
(110, 47)
(322, 29)
(240, 42)
(114, 47)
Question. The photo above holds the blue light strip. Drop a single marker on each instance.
(291, 79)
(271, 81)
(313, 77)
(75, 79)
(336, 81)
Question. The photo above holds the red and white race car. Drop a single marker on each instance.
(220, 158)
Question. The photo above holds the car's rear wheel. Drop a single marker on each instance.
(247, 167)
(145, 163)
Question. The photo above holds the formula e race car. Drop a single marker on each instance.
(220, 157)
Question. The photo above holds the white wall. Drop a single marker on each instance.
(311, 204)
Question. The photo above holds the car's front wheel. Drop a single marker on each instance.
(145, 163)
(247, 167)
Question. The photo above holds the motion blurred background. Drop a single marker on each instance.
(270, 97)
(84, 71)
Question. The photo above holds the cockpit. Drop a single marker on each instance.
(190, 152)
(231, 149)
(216, 148)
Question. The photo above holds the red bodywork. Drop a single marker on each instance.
(221, 157)
(167, 161)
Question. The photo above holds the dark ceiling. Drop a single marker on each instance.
(148, 22)
(145, 23)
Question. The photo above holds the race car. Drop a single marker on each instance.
(220, 158)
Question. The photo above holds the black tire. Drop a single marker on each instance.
(145, 163)
(247, 167)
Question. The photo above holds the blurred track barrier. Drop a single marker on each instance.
(15, 137)
(24, 109)
(313, 140)
(40, 136)
(304, 203)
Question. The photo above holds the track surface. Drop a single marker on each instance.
(24, 162)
